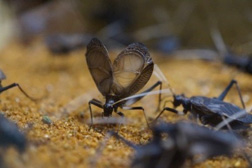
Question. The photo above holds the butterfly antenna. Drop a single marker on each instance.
(160, 75)
(143, 94)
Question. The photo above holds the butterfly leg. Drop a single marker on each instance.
(138, 108)
(96, 103)
(122, 115)
(158, 83)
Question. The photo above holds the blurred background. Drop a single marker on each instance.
(163, 25)
(42, 46)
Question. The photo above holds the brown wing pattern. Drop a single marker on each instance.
(99, 66)
(132, 69)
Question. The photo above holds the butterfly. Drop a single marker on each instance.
(129, 72)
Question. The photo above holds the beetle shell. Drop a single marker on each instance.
(213, 107)
(10, 134)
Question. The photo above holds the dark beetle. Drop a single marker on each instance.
(242, 62)
(185, 141)
(130, 71)
(228, 57)
(10, 135)
(222, 53)
(212, 110)
(65, 43)
(4, 88)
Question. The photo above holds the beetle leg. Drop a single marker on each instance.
(224, 93)
(167, 101)
(6, 88)
(97, 103)
(120, 113)
(159, 95)
(138, 108)
(19, 87)
(158, 83)
(166, 109)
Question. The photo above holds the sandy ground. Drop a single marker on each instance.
(68, 142)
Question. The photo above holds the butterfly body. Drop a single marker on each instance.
(109, 106)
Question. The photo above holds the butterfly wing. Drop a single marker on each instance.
(99, 66)
(131, 70)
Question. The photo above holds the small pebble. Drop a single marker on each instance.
(47, 120)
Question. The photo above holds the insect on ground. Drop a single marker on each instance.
(4, 88)
(10, 134)
(64, 43)
(130, 71)
(243, 63)
(212, 111)
(173, 144)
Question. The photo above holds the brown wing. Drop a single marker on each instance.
(132, 69)
(99, 65)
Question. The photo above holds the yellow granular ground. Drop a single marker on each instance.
(68, 142)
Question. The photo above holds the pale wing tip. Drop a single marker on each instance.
(140, 48)
(137, 45)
